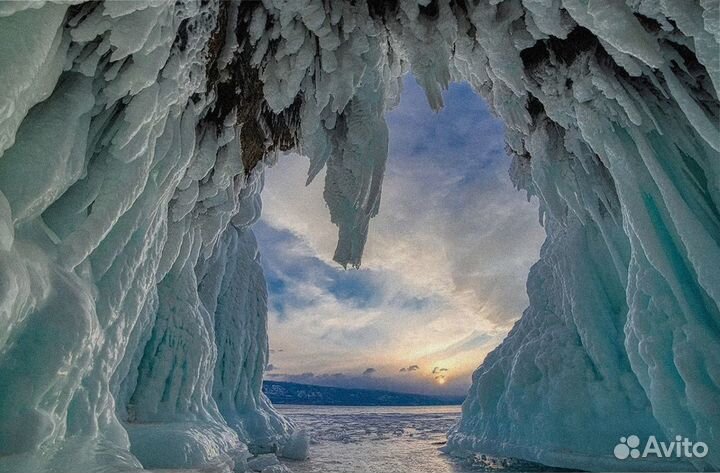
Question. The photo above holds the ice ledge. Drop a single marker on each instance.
(462, 445)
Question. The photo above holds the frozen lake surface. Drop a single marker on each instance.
(386, 440)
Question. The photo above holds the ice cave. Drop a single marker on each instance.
(133, 140)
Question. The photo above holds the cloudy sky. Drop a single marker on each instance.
(443, 275)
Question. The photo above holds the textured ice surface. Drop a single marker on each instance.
(132, 303)
(132, 138)
(387, 440)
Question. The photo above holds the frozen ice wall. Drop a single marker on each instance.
(133, 136)
(132, 304)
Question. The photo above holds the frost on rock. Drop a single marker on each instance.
(133, 138)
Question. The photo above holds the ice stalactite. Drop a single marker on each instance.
(134, 136)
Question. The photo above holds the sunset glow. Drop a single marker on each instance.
(435, 293)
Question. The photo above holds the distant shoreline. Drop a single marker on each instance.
(287, 393)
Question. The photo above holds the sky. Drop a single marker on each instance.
(444, 269)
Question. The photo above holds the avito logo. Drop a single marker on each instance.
(679, 448)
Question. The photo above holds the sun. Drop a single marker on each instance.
(441, 380)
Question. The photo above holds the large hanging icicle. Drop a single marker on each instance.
(133, 137)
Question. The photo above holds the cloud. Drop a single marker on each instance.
(443, 276)
(369, 371)
(410, 368)
(419, 385)
(438, 370)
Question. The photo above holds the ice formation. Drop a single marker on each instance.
(133, 137)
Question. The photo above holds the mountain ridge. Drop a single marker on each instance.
(285, 392)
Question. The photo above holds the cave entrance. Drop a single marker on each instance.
(444, 269)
